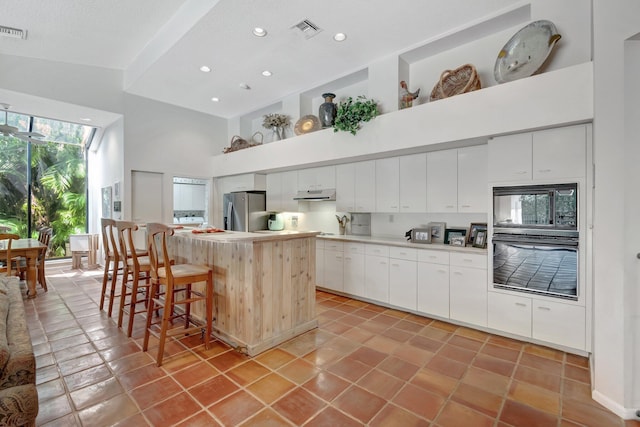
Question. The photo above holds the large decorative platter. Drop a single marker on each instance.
(307, 124)
(526, 51)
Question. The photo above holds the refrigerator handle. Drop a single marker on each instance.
(229, 225)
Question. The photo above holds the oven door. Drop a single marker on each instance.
(544, 265)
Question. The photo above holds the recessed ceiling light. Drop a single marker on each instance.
(244, 86)
(205, 69)
(215, 99)
(340, 37)
(259, 32)
(266, 73)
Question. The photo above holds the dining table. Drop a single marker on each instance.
(29, 249)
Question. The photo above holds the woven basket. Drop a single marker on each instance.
(454, 82)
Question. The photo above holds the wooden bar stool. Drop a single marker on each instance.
(177, 280)
(139, 268)
(111, 262)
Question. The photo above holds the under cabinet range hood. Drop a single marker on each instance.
(317, 195)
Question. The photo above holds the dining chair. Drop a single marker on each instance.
(44, 237)
(177, 280)
(7, 260)
(139, 268)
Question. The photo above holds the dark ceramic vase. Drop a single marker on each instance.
(327, 111)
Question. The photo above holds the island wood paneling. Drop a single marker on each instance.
(264, 288)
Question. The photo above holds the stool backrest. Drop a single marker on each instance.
(157, 246)
(109, 244)
(125, 241)
(5, 243)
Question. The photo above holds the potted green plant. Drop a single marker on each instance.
(352, 113)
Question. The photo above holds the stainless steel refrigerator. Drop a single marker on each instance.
(245, 211)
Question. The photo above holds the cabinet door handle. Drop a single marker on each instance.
(442, 271)
(544, 308)
(347, 258)
(467, 260)
(465, 206)
(449, 206)
(457, 273)
(544, 170)
(395, 265)
(405, 207)
(520, 172)
(433, 256)
(521, 304)
(383, 263)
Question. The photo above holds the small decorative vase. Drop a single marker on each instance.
(278, 134)
(327, 111)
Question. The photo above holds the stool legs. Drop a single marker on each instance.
(111, 292)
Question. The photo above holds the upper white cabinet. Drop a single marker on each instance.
(413, 183)
(189, 197)
(314, 179)
(281, 189)
(539, 156)
(355, 187)
(244, 182)
(442, 181)
(473, 184)
(387, 185)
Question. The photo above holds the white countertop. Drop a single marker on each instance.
(394, 241)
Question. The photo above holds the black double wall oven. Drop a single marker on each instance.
(536, 239)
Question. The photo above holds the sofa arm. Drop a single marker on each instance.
(20, 368)
(19, 405)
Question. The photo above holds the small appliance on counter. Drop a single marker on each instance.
(275, 222)
(361, 224)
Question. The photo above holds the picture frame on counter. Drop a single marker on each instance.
(449, 233)
(480, 241)
(437, 231)
(457, 241)
(474, 227)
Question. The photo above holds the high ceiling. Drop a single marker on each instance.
(160, 45)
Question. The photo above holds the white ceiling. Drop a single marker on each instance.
(161, 44)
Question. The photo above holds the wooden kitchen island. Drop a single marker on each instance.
(264, 284)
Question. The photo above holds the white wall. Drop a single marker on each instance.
(164, 138)
(616, 380)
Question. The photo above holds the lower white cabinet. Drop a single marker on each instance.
(403, 281)
(377, 278)
(333, 266)
(319, 262)
(354, 279)
(433, 288)
(559, 323)
(468, 288)
(509, 313)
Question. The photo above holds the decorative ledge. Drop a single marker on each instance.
(552, 99)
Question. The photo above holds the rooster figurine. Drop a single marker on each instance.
(406, 97)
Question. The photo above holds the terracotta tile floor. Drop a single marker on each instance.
(364, 365)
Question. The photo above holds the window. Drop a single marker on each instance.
(42, 180)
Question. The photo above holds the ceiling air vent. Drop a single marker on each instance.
(307, 28)
(15, 33)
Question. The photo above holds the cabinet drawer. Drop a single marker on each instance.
(354, 248)
(333, 246)
(509, 313)
(468, 260)
(559, 323)
(435, 257)
(409, 254)
(378, 250)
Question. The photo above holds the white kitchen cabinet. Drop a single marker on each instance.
(539, 156)
(355, 187)
(413, 183)
(244, 182)
(334, 265)
(468, 288)
(388, 185)
(433, 289)
(189, 197)
(473, 182)
(509, 158)
(442, 181)
(403, 282)
(320, 262)
(559, 323)
(377, 278)
(281, 189)
(313, 179)
(559, 153)
(509, 313)
(354, 279)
